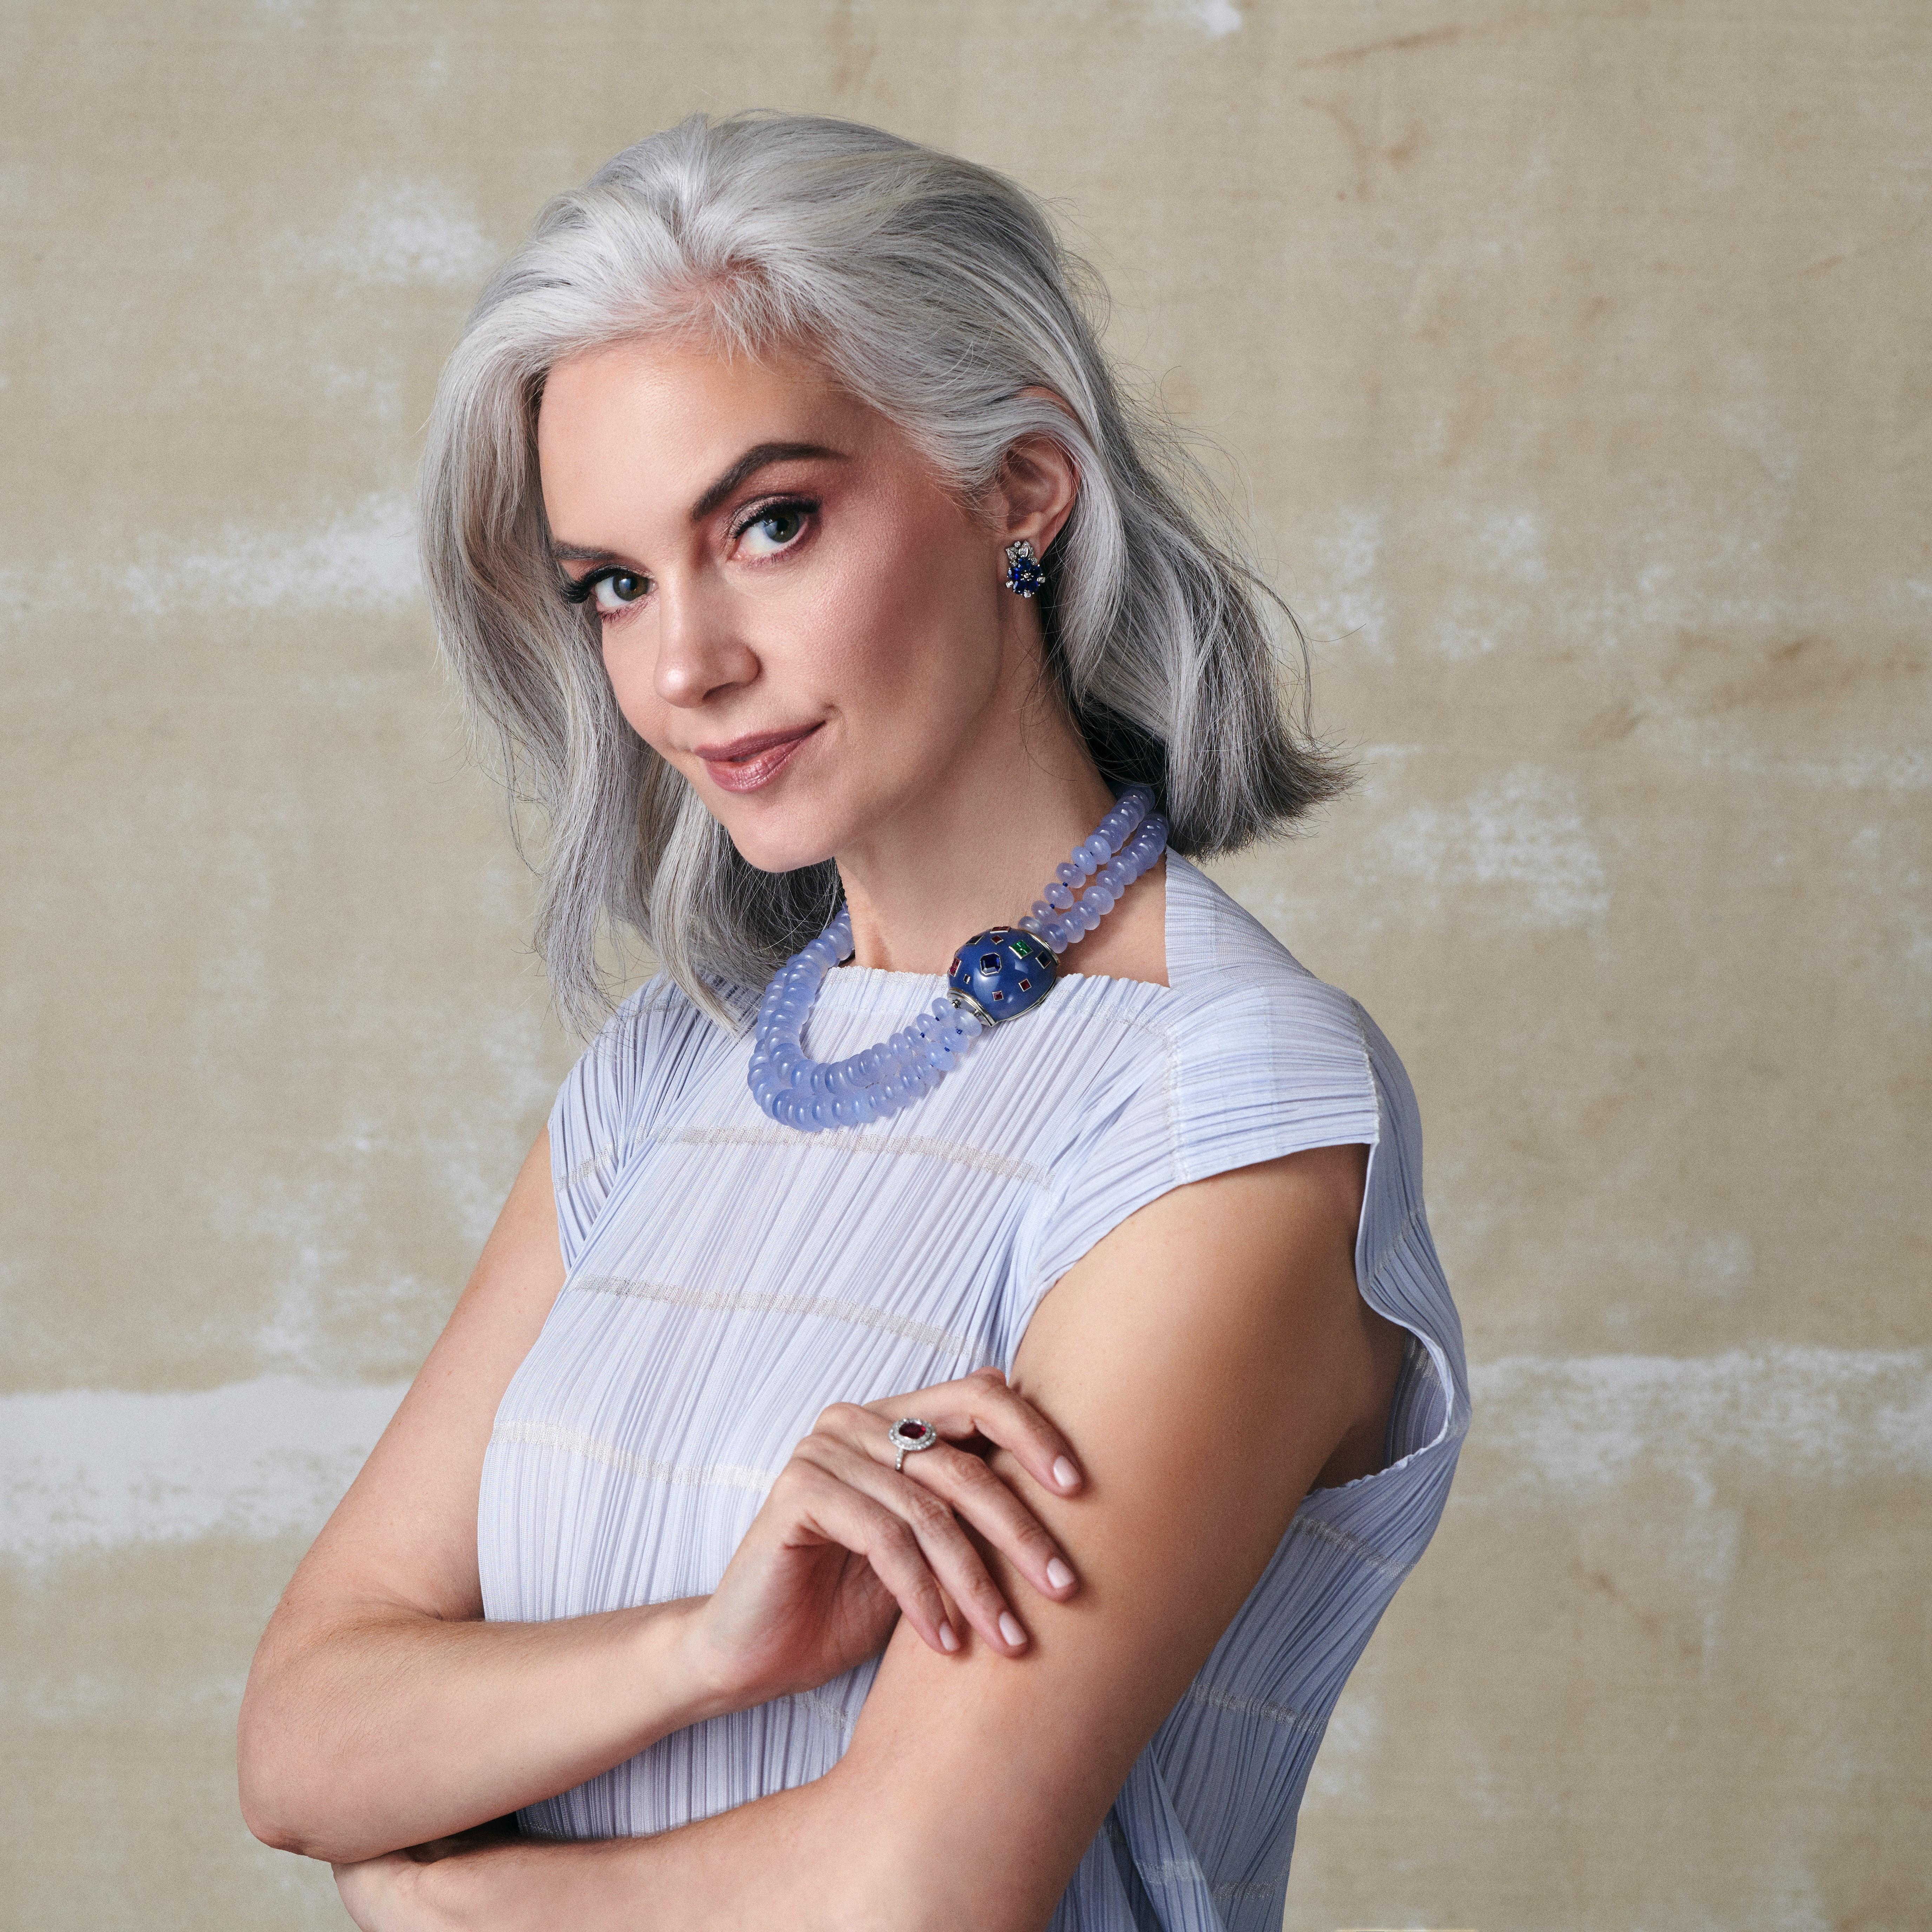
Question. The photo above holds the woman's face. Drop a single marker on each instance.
(795, 612)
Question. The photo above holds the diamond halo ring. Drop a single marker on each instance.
(909, 1436)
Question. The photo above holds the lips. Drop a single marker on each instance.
(747, 763)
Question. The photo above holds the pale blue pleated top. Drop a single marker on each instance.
(727, 1278)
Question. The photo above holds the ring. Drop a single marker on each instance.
(909, 1436)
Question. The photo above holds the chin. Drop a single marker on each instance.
(817, 822)
(778, 846)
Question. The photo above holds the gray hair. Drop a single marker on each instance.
(938, 293)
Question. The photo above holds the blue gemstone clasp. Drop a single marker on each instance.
(1001, 973)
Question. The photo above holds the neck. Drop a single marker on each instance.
(975, 848)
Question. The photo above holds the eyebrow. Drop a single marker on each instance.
(761, 456)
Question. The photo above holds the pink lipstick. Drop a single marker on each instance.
(746, 763)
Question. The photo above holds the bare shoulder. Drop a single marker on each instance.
(1245, 1277)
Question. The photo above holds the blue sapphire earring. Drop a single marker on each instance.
(1025, 576)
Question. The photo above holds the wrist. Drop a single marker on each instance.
(681, 1652)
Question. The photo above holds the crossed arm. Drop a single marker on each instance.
(1210, 1359)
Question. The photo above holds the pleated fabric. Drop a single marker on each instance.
(727, 1278)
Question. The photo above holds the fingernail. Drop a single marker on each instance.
(1057, 1574)
(1065, 1473)
(1009, 1629)
(949, 1636)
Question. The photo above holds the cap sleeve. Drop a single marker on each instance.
(1220, 1082)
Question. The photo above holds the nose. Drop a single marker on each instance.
(700, 654)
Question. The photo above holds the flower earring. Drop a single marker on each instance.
(1025, 576)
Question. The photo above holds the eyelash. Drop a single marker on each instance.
(776, 506)
(583, 589)
(580, 590)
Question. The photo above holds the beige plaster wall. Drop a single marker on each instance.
(1574, 360)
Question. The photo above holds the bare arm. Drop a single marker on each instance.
(1213, 1358)
(381, 1712)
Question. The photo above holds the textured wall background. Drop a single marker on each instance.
(1574, 361)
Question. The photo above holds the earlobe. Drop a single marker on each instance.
(1040, 483)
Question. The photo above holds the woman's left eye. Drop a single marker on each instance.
(772, 530)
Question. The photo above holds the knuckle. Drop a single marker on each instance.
(928, 1513)
(836, 1418)
(1032, 1538)
(1018, 1416)
(970, 1472)
(980, 1588)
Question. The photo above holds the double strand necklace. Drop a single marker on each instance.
(995, 977)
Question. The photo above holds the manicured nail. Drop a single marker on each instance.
(1009, 1629)
(1065, 1473)
(949, 1636)
(1057, 1574)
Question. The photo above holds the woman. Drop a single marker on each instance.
(929, 1435)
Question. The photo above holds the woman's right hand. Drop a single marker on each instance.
(844, 1545)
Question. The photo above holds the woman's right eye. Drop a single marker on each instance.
(615, 591)
(612, 590)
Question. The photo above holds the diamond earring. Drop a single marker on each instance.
(1025, 576)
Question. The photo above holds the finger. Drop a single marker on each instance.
(947, 1550)
(979, 1496)
(963, 1479)
(845, 1516)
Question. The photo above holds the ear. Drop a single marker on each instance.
(1034, 495)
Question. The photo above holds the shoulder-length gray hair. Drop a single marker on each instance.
(938, 293)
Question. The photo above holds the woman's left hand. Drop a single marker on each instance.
(851, 1537)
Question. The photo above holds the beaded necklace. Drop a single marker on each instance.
(995, 977)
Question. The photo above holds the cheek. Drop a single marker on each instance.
(905, 620)
(627, 663)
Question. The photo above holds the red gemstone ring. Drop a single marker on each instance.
(909, 1436)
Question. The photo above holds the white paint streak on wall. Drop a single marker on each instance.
(1577, 1424)
(364, 559)
(1910, 770)
(97, 1469)
(1524, 833)
(1511, 542)
(1215, 17)
(1348, 606)
(1504, 550)
(399, 232)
